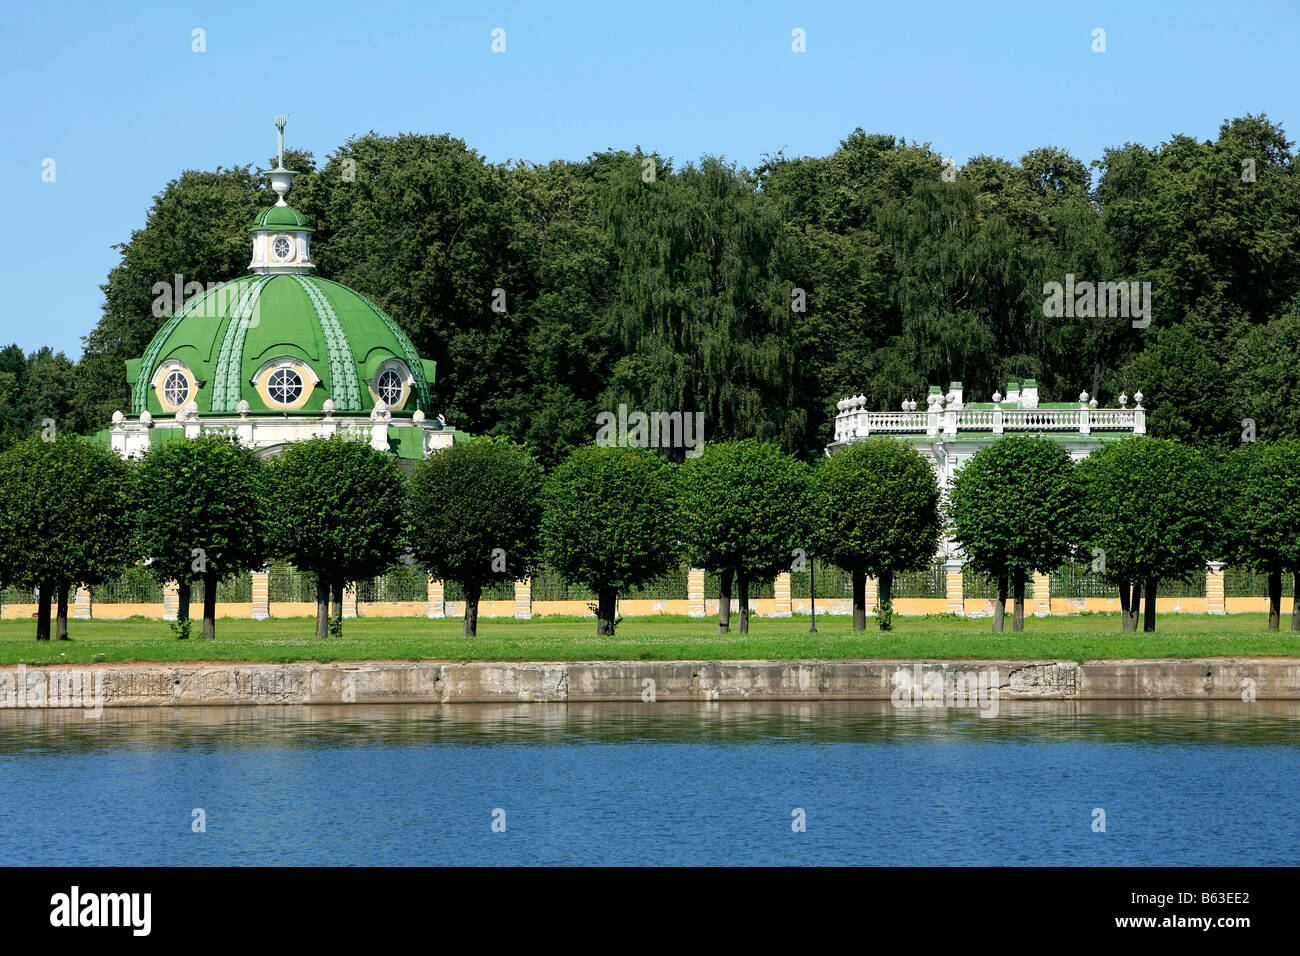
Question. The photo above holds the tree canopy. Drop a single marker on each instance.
(203, 515)
(474, 513)
(1261, 516)
(1016, 510)
(549, 293)
(67, 518)
(610, 522)
(338, 510)
(744, 510)
(1151, 512)
(875, 511)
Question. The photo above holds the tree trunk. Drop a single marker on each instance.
(724, 601)
(43, 612)
(742, 585)
(209, 606)
(61, 621)
(859, 600)
(605, 601)
(1295, 600)
(1274, 600)
(1000, 605)
(1018, 614)
(1134, 605)
(1149, 609)
(1125, 605)
(184, 594)
(885, 601)
(472, 594)
(337, 591)
(322, 607)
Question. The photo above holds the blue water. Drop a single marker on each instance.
(1180, 783)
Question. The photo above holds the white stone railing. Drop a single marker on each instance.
(854, 421)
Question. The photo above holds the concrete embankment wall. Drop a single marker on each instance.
(148, 685)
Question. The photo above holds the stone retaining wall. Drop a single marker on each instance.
(147, 685)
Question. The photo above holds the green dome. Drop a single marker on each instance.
(227, 342)
(280, 217)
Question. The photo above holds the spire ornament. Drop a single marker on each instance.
(280, 122)
(281, 178)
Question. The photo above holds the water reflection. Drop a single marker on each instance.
(69, 731)
(1182, 783)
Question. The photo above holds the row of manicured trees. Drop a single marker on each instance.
(875, 511)
(1145, 510)
(1261, 518)
(1016, 510)
(1151, 513)
(73, 513)
(67, 518)
(613, 518)
(742, 505)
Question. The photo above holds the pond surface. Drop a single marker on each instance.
(1180, 783)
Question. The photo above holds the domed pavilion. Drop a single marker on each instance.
(281, 355)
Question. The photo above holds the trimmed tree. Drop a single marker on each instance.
(338, 509)
(1261, 521)
(203, 517)
(1152, 513)
(1016, 510)
(743, 505)
(609, 522)
(876, 512)
(67, 518)
(474, 513)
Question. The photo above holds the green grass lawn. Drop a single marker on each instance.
(1088, 637)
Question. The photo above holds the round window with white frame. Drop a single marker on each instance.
(282, 248)
(174, 385)
(284, 386)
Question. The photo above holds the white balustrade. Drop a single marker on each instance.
(855, 421)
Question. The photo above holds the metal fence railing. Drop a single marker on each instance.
(1078, 580)
(136, 586)
(1238, 582)
(549, 586)
(403, 582)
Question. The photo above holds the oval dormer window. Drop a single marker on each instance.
(390, 387)
(174, 385)
(176, 389)
(281, 248)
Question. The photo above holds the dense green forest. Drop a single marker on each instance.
(758, 296)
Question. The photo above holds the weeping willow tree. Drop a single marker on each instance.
(699, 307)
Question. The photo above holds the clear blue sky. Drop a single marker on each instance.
(113, 93)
